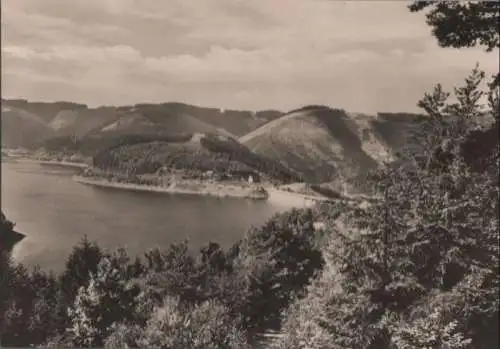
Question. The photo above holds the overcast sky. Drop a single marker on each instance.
(246, 54)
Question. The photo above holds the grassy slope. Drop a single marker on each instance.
(332, 146)
(233, 121)
(66, 118)
(22, 129)
(81, 122)
(176, 121)
(45, 110)
(314, 141)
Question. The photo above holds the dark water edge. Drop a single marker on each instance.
(55, 212)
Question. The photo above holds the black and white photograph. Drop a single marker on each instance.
(250, 174)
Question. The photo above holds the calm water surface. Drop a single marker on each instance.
(55, 213)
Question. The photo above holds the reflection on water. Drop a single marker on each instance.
(55, 213)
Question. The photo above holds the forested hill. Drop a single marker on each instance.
(198, 153)
(78, 120)
(314, 144)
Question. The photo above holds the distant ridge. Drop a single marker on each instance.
(315, 143)
(78, 120)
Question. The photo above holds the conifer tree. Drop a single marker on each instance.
(431, 235)
(109, 299)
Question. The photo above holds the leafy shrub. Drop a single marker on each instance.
(206, 326)
(275, 262)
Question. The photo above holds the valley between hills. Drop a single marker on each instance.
(315, 152)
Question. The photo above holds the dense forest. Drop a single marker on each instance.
(165, 299)
(211, 153)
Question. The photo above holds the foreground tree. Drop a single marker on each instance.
(27, 303)
(26, 299)
(167, 273)
(463, 24)
(109, 299)
(174, 325)
(273, 264)
(81, 263)
(427, 250)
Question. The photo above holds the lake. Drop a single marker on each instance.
(55, 212)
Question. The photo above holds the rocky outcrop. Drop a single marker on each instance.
(8, 236)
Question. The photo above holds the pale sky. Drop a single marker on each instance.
(363, 56)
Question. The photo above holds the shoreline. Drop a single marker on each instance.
(274, 196)
(80, 165)
(292, 199)
(207, 190)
